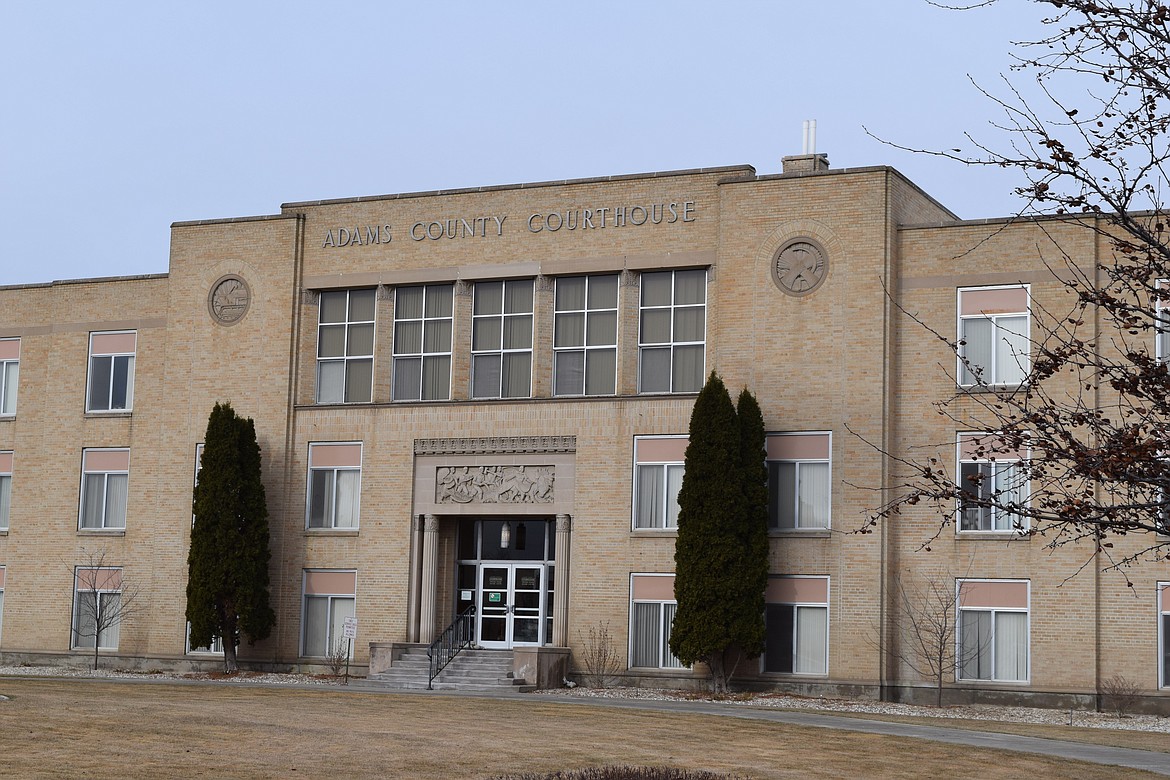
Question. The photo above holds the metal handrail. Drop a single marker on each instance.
(455, 637)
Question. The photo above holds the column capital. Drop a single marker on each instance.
(564, 523)
(431, 523)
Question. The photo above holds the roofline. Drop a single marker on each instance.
(97, 279)
(742, 170)
(227, 220)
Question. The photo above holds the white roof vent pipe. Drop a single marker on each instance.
(808, 161)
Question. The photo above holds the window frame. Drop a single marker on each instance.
(331, 510)
(961, 611)
(423, 355)
(84, 493)
(798, 526)
(663, 483)
(991, 378)
(131, 360)
(216, 648)
(585, 348)
(7, 458)
(9, 376)
(75, 626)
(503, 318)
(672, 345)
(797, 605)
(1007, 459)
(3, 576)
(662, 634)
(331, 598)
(1163, 634)
(345, 359)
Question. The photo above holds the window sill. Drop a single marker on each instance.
(994, 536)
(332, 531)
(794, 676)
(652, 533)
(977, 389)
(101, 531)
(994, 684)
(109, 413)
(807, 533)
(3, 532)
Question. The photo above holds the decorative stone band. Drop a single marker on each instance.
(495, 445)
(494, 484)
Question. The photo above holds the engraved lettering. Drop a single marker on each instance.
(414, 228)
(549, 221)
(329, 239)
(673, 208)
(532, 219)
(499, 225)
(688, 209)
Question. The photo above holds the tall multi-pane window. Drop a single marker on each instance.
(658, 473)
(994, 343)
(501, 340)
(9, 375)
(335, 485)
(345, 347)
(585, 335)
(97, 610)
(672, 331)
(652, 609)
(111, 371)
(330, 597)
(993, 630)
(797, 623)
(422, 342)
(990, 481)
(5, 488)
(104, 480)
(799, 486)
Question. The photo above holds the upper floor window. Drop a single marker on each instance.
(799, 485)
(796, 620)
(672, 331)
(111, 371)
(5, 488)
(104, 481)
(585, 335)
(993, 630)
(345, 347)
(990, 481)
(9, 375)
(501, 339)
(422, 342)
(994, 327)
(335, 485)
(658, 473)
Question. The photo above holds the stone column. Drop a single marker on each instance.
(414, 569)
(430, 578)
(560, 629)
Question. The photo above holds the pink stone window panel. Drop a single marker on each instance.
(335, 456)
(969, 443)
(106, 460)
(652, 587)
(113, 343)
(1165, 588)
(798, 446)
(1010, 300)
(797, 590)
(9, 349)
(5, 462)
(994, 595)
(99, 579)
(1, 578)
(665, 450)
(330, 583)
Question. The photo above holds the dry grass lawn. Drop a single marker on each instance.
(83, 728)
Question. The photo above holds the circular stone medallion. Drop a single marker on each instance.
(229, 299)
(800, 266)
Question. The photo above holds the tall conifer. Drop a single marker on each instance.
(753, 574)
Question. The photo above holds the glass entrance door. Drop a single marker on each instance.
(510, 606)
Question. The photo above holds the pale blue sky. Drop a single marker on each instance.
(119, 118)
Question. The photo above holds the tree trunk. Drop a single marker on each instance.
(718, 672)
(228, 622)
(95, 649)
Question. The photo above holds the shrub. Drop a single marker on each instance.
(600, 658)
(1119, 694)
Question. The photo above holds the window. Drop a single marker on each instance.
(501, 340)
(111, 371)
(672, 331)
(215, 648)
(422, 342)
(989, 475)
(97, 606)
(994, 336)
(585, 335)
(1, 602)
(1161, 323)
(1163, 630)
(104, 478)
(335, 484)
(329, 600)
(993, 630)
(799, 486)
(796, 620)
(5, 489)
(345, 347)
(658, 473)
(652, 608)
(9, 375)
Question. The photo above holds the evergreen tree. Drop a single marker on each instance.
(752, 579)
(227, 583)
(709, 551)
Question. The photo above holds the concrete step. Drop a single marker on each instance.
(471, 670)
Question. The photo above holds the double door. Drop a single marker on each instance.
(511, 604)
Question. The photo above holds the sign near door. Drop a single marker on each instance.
(494, 598)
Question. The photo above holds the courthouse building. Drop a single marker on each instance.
(481, 397)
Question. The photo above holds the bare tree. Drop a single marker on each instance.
(103, 599)
(1086, 116)
(600, 660)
